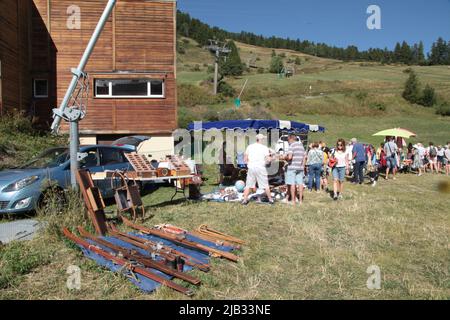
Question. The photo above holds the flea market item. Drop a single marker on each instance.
(127, 196)
(207, 231)
(135, 256)
(168, 228)
(182, 241)
(158, 249)
(133, 270)
(240, 186)
(93, 201)
(142, 165)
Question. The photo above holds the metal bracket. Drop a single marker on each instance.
(69, 114)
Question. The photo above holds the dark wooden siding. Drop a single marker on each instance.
(14, 55)
(138, 37)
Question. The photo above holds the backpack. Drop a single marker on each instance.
(433, 152)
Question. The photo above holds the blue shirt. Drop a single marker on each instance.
(360, 152)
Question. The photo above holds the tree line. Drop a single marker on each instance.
(402, 53)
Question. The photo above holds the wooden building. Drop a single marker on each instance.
(132, 71)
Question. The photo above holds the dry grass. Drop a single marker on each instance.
(319, 251)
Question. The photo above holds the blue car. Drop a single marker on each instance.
(23, 189)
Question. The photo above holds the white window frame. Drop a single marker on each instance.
(34, 89)
(148, 96)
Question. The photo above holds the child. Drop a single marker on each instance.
(373, 166)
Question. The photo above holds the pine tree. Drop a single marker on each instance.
(232, 65)
(397, 53)
(412, 91)
(428, 97)
(439, 52)
(421, 55)
(406, 53)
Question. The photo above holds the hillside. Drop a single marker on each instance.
(349, 98)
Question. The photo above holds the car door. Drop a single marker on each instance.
(112, 159)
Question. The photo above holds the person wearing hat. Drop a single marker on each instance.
(256, 157)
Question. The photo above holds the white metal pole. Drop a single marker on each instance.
(74, 138)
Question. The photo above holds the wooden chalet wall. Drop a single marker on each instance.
(15, 91)
(26, 53)
(138, 42)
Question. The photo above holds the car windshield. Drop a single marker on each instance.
(48, 159)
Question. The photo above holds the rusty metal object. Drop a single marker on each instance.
(132, 255)
(93, 201)
(126, 264)
(181, 240)
(161, 250)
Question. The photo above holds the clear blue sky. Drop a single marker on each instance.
(334, 22)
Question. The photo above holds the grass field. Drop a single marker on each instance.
(319, 251)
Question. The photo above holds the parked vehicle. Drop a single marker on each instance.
(131, 142)
(23, 189)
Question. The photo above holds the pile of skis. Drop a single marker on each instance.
(159, 254)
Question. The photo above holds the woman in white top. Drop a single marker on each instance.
(340, 168)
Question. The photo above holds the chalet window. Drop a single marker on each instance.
(40, 88)
(129, 88)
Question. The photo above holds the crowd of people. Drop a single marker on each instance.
(311, 168)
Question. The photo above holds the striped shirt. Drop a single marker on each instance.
(298, 155)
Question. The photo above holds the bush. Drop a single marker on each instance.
(226, 89)
(185, 117)
(196, 68)
(443, 110)
(361, 96)
(180, 48)
(298, 61)
(210, 69)
(260, 112)
(231, 114)
(428, 97)
(276, 65)
(261, 70)
(378, 106)
(191, 95)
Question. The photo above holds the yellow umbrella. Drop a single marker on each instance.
(397, 132)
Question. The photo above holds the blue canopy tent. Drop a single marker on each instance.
(285, 126)
(298, 128)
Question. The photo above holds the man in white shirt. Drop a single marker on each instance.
(256, 157)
